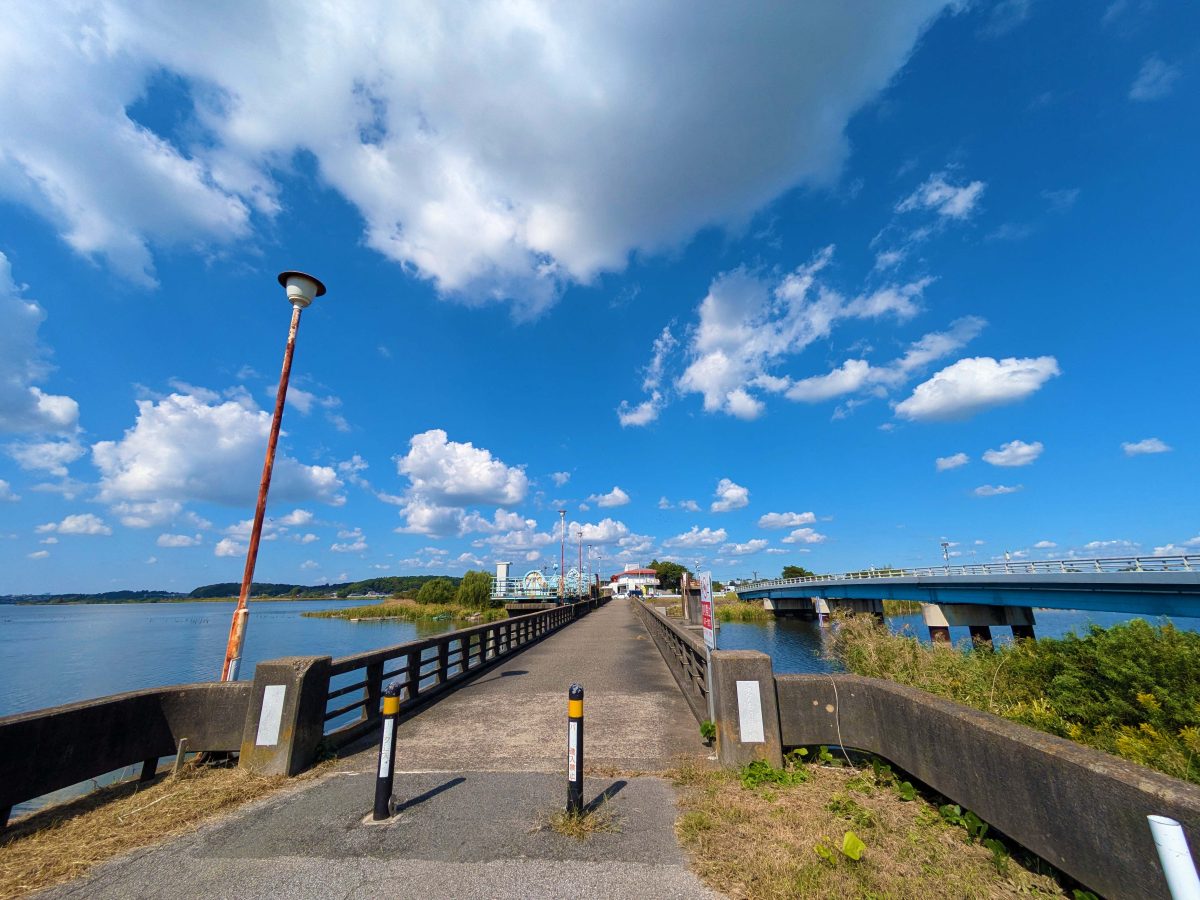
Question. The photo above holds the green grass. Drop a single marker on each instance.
(411, 611)
(1130, 690)
(900, 607)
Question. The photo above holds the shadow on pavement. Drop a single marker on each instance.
(605, 795)
(428, 795)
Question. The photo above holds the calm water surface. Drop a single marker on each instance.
(59, 654)
(800, 647)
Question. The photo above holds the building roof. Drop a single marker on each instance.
(636, 572)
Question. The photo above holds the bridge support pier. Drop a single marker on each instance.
(979, 619)
(822, 607)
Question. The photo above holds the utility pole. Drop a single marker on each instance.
(562, 550)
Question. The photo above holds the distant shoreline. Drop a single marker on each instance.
(145, 600)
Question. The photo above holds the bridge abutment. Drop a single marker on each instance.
(978, 618)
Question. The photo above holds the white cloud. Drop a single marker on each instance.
(560, 478)
(846, 379)
(804, 536)
(606, 531)
(729, 496)
(309, 538)
(947, 200)
(990, 490)
(179, 540)
(1187, 548)
(47, 456)
(1112, 546)
(310, 564)
(689, 505)
(1149, 445)
(615, 497)
(697, 537)
(786, 520)
(748, 326)
(229, 547)
(974, 384)
(357, 546)
(80, 523)
(1044, 545)
(1014, 453)
(647, 411)
(6, 493)
(193, 447)
(750, 547)
(502, 520)
(1155, 80)
(147, 514)
(945, 463)
(296, 517)
(24, 407)
(38, 554)
(664, 503)
(497, 150)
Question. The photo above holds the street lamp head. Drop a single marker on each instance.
(301, 288)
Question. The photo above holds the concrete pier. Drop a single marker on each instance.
(978, 618)
(478, 774)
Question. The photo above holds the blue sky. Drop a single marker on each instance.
(743, 289)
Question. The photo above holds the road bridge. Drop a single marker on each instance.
(986, 595)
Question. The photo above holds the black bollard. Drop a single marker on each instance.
(387, 753)
(575, 749)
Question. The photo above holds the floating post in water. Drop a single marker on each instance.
(301, 289)
(1175, 857)
(575, 749)
(387, 754)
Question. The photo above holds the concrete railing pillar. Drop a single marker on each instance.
(286, 717)
(747, 713)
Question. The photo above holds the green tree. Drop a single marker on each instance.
(669, 574)
(436, 590)
(475, 590)
(795, 572)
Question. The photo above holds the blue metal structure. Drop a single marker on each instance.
(1148, 586)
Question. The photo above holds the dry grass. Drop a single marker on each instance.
(582, 825)
(64, 842)
(762, 842)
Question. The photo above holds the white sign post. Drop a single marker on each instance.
(710, 635)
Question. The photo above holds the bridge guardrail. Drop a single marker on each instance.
(683, 653)
(1102, 565)
(429, 667)
(50, 749)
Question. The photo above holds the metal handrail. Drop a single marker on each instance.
(1102, 565)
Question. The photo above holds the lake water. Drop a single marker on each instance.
(799, 647)
(59, 654)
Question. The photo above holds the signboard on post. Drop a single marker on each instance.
(706, 610)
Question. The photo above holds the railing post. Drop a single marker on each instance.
(443, 658)
(373, 690)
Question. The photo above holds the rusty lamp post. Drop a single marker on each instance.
(301, 290)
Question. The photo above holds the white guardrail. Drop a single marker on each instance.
(1113, 564)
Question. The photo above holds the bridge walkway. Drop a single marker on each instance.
(477, 776)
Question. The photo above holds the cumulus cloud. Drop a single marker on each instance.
(786, 520)
(80, 523)
(729, 496)
(748, 326)
(296, 517)
(25, 407)
(697, 537)
(188, 447)
(52, 457)
(1014, 453)
(1155, 80)
(1044, 545)
(750, 547)
(445, 476)
(945, 463)
(560, 478)
(995, 490)
(6, 493)
(974, 384)
(804, 536)
(229, 547)
(498, 151)
(939, 195)
(179, 540)
(615, 497)
(1149, 445)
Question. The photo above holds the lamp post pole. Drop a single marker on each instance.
(579, 584)
(562, 550)
(301, 289)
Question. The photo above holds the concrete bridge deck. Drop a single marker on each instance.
(477, 776)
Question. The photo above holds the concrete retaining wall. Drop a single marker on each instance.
(1081, 810)
(54, 748)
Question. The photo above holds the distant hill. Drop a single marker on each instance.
(394, 584)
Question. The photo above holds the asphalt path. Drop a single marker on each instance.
(479, 775)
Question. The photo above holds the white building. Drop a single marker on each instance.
(634, 579)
